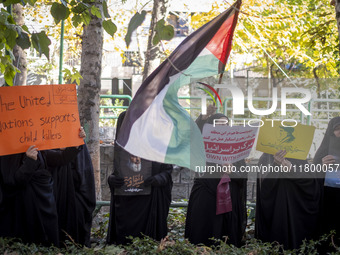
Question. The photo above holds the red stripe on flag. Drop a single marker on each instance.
(219, 43)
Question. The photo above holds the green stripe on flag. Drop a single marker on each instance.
(185, 130)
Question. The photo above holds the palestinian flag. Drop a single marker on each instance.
(156, 127)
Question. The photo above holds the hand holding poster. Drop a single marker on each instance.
(224, 144)
(134, 171)
(44, 115)
(296, 141)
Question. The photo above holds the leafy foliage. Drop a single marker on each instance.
(115, 110)
(72, 76)
(77, 12)
(299, 35)
(174, 243)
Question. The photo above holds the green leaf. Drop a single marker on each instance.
(109, 27)
(25, 28)
(134, 23)
(86, 18)
(167, 33)
(41, 42)
(10, 20)
(10, 55)
(79, 8)
(59, 12)
(73, 76)
(9, 2)
(96, 12)
(3, 16)
(10, 35)
(162, 32)
(105, 10)
(9, 76)
(155, 39)
(76, 20)
(9, 72)
(23, 40)
(31, 2)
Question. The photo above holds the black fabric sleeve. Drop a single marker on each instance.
(239, 176)
(24, 173)
(59, 158)
(164, 176)
(200, 122)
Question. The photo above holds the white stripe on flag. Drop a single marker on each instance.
(204, 52)
(151, 132)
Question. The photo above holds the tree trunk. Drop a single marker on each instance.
(89, 89)
(20, 61)
(152, 56)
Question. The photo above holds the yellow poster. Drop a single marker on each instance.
(277, 135)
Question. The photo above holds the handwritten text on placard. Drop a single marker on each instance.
(42, 115)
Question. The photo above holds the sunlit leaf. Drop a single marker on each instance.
(134, 23)
(109, 27)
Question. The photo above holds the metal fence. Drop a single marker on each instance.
(321, 109)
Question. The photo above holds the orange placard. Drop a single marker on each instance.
(43, 115)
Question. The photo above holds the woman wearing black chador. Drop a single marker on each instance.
(205, 218)
(328, 155)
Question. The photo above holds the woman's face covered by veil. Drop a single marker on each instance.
(337, 130)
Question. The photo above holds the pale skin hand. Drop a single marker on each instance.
(82, 133)
(280, 159)
(32, 152)
(329, 159)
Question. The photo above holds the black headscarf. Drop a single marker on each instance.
(120, 122)
(324, 147)
(200, 122)
(215, 116)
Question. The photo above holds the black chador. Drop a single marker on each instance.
(27, 206)
(287, 205)
(74, 191)
(203, 222)
(330, 204)
(135, 215)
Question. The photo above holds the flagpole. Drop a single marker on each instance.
(228, 50)
(218, 90)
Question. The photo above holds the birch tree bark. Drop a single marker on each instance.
(152, 58)
(89, 89)
(20, 61)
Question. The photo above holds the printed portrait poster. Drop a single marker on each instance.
(226, 144)
(42, 115)
(273, 136)
(134, 170)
